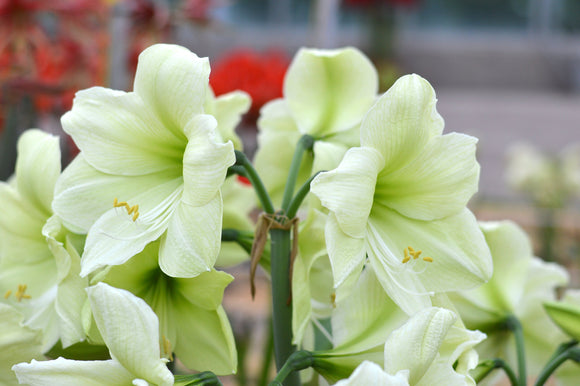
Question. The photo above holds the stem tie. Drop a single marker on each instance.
(266, 222)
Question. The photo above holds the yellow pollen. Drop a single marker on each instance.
(7, 294)
(411, 249)
(428, 259)
(167, 348)
(416, 254)
(406, 259)
(130, 209)
(333, 299)
(21, 293)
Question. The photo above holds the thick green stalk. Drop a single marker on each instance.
(299, 197)
(300, 360)
(515, 326)
(496, 364)
(252, 175)
(571, 353)
(304, 143)
(281, 307)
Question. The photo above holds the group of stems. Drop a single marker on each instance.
(280, 252)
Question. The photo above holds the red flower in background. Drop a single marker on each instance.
(259, 74)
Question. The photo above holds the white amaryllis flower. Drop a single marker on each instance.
(151, 166)
(39, 264)
(400, 200)
(131, 331)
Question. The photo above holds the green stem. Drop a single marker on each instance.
(496, 364)
(206, 378)
(281, 309)
(300, 360)
(515, 326)
(304, 143)
(252, 175)
(570, 353)
(299, 197)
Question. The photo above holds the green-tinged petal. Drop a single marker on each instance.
(17, 343)
(329, 90)
(228, 110)
(442, 373)
(436, 184)
(83, 194)
(131, 331)
(461, 258)
(312, 281)
(193, 238)
(206, 290)
(204, 339)
(347, 254)
(118, 133)
(402, 121)
(37, 168)
(38, 276)
(172, 81)
(327, 155)
(21, 224)
(364, 316)
(117, 235)
(566, 316)
(348, 190)
(371, 374)
(64, 372)
(415, 345)
(205, 161)
(71, 294)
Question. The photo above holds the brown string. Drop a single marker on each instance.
(266, 222)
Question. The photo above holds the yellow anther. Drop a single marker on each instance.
(130, 209)
(333, 299)
(7, 294)
(406, 259)
(428, 259)
(21, 293)
(167, 348)
(416, 254)
(411, 249)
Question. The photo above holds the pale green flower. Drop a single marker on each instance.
(193, 323)
(326, 95)
(131, 331)
(430, 346)
(39, 265)
(227, 110)
(400, 200)
(151, 167)
(18, 343)
(519, 286)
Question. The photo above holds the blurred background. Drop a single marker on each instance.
(506, 71)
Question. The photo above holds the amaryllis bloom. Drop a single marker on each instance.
(260, 75)
(131, 331)
(400, 200)
(149, 168)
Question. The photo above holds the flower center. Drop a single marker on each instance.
(411, 259)
(20, 293)
(130, 209)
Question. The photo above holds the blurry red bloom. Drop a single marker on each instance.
(197, 10)
(259, 74)
(244, 181)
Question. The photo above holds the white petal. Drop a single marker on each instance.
(172, 81)
(116, 237)
(371, 374)
(193, 238)
(38, 167)
(329, 90)
(205, 161)
(64, 372)
(402, 121)
(118, 133)
(131, 331)
(348, 190)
